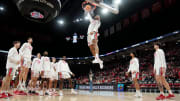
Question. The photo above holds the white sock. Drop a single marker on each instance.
(138, 92)
(162, 93)
(24, 82)
(32, 89)
(20, 83)
(170, 92)
(97, 56)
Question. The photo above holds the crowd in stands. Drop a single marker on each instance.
(115, 73)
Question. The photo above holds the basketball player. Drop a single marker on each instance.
(53, 77)
(65, 73)
(13, 61)
(134, 70)
(45, 73)
(92, 38)
(159, 71)
(35, 73)
(26, 54)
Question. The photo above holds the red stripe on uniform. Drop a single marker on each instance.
(161, 71)
(137, 74)
(96, 35)
(10, 71)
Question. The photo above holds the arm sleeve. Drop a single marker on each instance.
(22, 49)
(69, 69)
(32, 66)
(59, 66)
(129, 67)
(137, 65)
(161, 58)
(42, 62)
(11, 57)
(90, 17)
(96, 27)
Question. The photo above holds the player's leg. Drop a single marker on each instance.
(50, 86)
(31, 82)
(21, 73)
(136, 84)
(71, 86)
(46, 82)
(96, 47)
(165, 83)
(41, 93)
(90, 43)
(61, 86)
(6, 83)
(26, 71)
(34, 85)
(3, 88)
(160, 86)
(55, 85)
(92, 50)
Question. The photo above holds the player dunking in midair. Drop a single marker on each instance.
(92, 38)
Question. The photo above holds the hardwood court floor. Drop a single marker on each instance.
(95, 96)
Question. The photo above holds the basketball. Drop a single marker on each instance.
(88, 8)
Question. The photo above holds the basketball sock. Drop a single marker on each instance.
(19, 83)
(24, 83)
(170, 92)
(2, 91)
(138, 92)
(97, 56)
(162, 93)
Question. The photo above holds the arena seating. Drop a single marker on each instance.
(115, 73)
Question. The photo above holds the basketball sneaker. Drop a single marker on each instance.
(160, 97)
(95, 61)
(60, 93)
(3, 95)
(9, 94)
(140, 95)
(170, 96)
(73, 91)
(41, 93)
(136, 95)
(101, 64)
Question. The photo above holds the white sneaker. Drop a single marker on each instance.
(23, 87)
(136, 95)
(140, 95)
(61, 93)
(73, 92)
(101, 64)
(49, 93)
(95, 61)
(41, 93)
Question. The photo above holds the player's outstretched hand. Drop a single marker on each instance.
(127, 73)
(73, 74)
